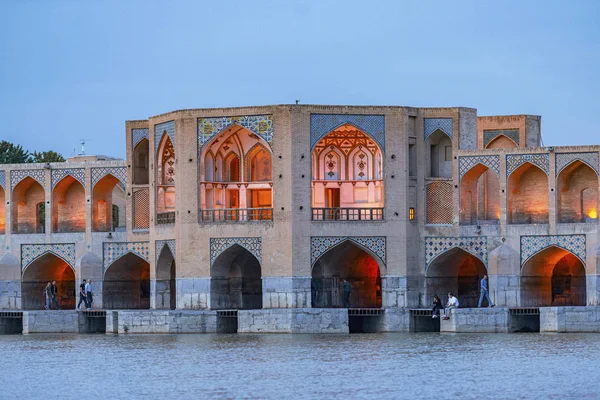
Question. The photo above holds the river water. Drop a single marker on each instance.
(373, 366)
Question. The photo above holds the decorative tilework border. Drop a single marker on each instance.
(219, 245)
(31, 252)
(261, 125)
(565, 159)
(17, 176)
(112, 251)
(59, 174)
(372, 125)
(430, 125)
(3, 179)
(320, 245)
(532, 245)
(514, 161)
(159, 130)
(160, 245)
(118, 172)
(139, 134)
(490, 134)
(475, 245)
(465, 163)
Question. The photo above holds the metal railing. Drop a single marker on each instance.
(165, 218)
(236, 214)
(347, 214)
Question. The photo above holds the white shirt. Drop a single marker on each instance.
(452, 301)
(88, 287)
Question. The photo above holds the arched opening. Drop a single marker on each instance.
(47, 268)
(236, 177)
(165, 173)
(553, 277)
(440, 155)
(27, 195)
(68, 206)
(501, 142)
(577, 193)
(126, 284)
(236, 281)
(455, 271)
(104, 194)
(350, 262)
(479, 197)
(347, 176)
(2, 211)
(166, 297)
(141, 172)
(528, 195)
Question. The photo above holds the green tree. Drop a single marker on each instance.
(11, 154)
(47, 156)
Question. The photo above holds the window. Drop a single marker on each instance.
(448, 153)
(411, 214)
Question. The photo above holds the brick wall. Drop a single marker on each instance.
(528, 196)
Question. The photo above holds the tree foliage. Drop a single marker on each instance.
(47, 156)
(15, 154)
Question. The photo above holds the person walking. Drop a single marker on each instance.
(452, 303)
(88, 294)
(47, 295)
(484, 292)
(437, 306)
(82, 296)
(54, 292)
(347, 288)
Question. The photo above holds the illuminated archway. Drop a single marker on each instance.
(45, 269)
(577, 193)
(27, 196)
(479, 196)
(165, 178)
(105, 193)
(68, 206)
(528, 195)
(126, 283)
(141, 172)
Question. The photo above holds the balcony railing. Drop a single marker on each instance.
(236, 214)
(165, 218)
(347, 214)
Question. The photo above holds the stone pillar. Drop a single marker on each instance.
(193, 293)
(10, 282)
(394, 291)
(504, 276)
(286, 292)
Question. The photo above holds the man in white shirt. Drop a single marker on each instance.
(452, 303)
(88, 293)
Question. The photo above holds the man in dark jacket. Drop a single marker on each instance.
(82, 296)
(54, 292)
(347, 288)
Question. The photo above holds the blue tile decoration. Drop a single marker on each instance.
(491, 134)
(320, 245)
(261, 125)
(112, 251)
(219, 245)
(59, 174)
(435, 246)
(372, 125)
(564, 159)
(160, 245)
(139, 134)
(118, 172)
(3, 179)
(160, 129)
(17, 176)
(465, 163)
(514, 161)
(531, 245)
(31, 252)
(430, 125)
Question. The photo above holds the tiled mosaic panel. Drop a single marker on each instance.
(439, 203)
(219, 245)
(139, 134)
(31, 252)
(59, 174)
(319, 245)
(160, 244)
(322, 124)
(564, 159)
(430, 125)
(476, 245)
(141, 209)
(112, 251)
(465, 163)
(514, 161)
(118, 172)
(531, 245)
(17, 176)
(489, 135)
(3, 179)
(262, 125)
(160, 129)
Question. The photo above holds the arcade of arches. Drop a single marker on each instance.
(479, 196)
(126, 284)
(45, 269)
(236, 177)
(350, 262)
(165, 287)
(455, 271)
(236, 282)
(347, 180)
(553, 277)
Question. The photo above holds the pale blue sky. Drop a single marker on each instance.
(79, 69)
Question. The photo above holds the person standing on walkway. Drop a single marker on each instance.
(452, 303)
(484, 292)
(88, 294)
(347, 288)
(82, 296)
(48, 295)
(54, 291)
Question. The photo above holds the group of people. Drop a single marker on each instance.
(453, 301)
(86, 295)
(51, 295)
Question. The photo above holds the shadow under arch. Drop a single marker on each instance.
(126, 283)
(479, 195)
(165, 285)
(47, 268)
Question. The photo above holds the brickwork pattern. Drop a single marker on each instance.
(160, 129)
(490, 134)
(17, 176)
(465, 163)
(141, 209)
(160, 245)
(137, 135)
(112, 251)
(514, 161)
(531, 245)
(262, 125)
(31, 252)
(564, 159)
(430, 125)
(118, 172)
(372, 125)
(59, 174)
(476, 245)
(320, 245)
(439, 203)
(219, 245)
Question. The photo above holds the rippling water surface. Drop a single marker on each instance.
(301, 366)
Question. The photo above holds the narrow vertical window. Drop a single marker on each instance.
(411, 214)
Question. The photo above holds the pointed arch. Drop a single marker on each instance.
(48, 267)
(27, 195)
(528, 195)
(577, 191)
(126, 283)
(68, 206)
(166, 179)
(479, 196)
(439, 154)
(141, 158)
(502, 142)
(165, 284)
(103, 199)
(259, 166)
